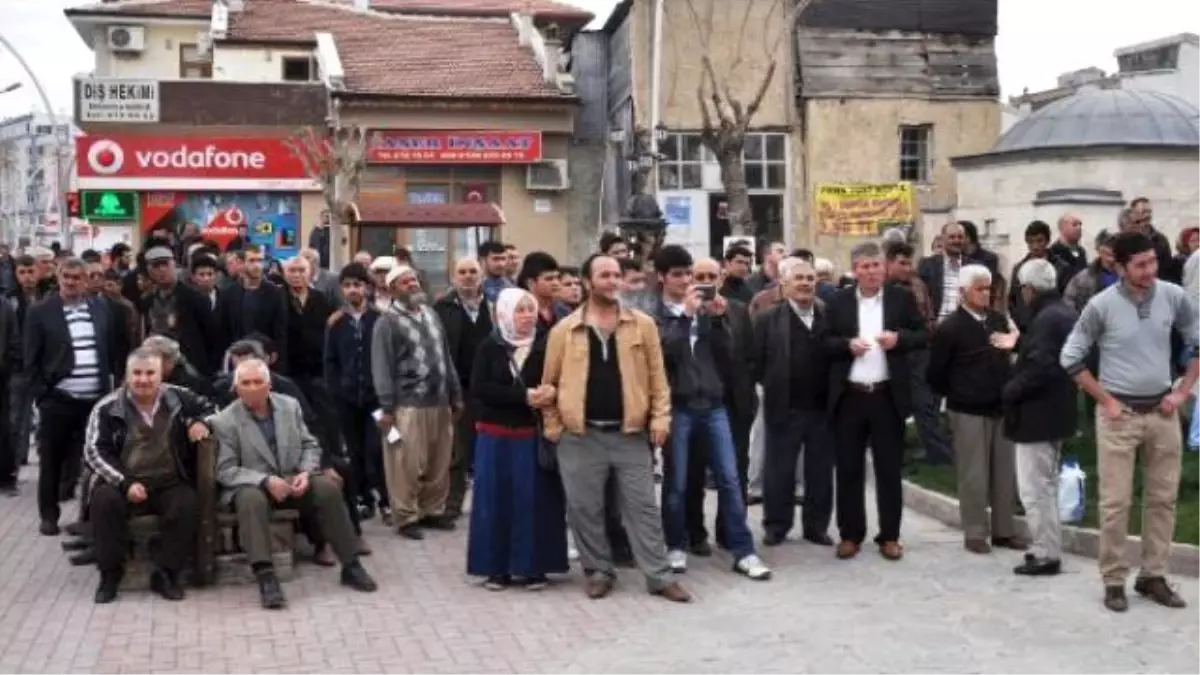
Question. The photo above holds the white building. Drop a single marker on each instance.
(1089, 154)
(1169, 65)
(29, 184)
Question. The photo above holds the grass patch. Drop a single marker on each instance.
(943, 479)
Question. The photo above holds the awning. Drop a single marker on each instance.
(391, 211)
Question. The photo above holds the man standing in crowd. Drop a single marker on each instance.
(1131, 323)
(139, 446)
(1067, 249)
(381, 297)
(74, 351)
(872, 328)
(255, 305)
(203, 278)
(1037, 242)
(307, 315)
(514, 262)
(570, 288)
(318, 241)
(178, 311)
(27, 294)
(10, 364)
(348, 376)
(1040, 413)
(968, 365)
(614, 245)
(697, 347)
(606, 365)
(235, 264)
(466, 316)
(269, 460)
(419, 394)
(321, 278)
(1096, 277)
(494, 258)
(1140, 217)
(738, 260)
(790, 363)
(939, 271)
(768, 275)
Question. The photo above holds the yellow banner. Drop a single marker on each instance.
(863, 209)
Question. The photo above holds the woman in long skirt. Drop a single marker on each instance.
(518, 521)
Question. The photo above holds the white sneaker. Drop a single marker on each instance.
(752, 566)
(678, 561)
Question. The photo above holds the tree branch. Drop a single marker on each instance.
(741, 40)
(762, 92)
(714, 88)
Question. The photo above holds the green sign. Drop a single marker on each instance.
(108, 205)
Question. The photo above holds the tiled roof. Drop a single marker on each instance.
(390, 54)
(389, 210)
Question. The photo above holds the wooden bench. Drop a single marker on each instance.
(218, 558)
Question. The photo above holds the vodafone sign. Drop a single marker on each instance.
(158, 163)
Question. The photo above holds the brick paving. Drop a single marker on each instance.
(939, 610)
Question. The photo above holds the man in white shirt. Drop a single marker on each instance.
(871, 329)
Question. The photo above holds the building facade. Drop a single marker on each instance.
(197, 107)
(30, 167)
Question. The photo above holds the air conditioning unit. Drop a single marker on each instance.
(547, 175)
(127, 39)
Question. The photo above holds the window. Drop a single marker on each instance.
(1161, 58)
(680, 166)
(299, 69)
(192, 64)
(765, 159)
(915, 153)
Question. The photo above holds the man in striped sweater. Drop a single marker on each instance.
(75, 350)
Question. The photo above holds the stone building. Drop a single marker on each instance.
(1089, 154)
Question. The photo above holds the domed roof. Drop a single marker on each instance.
(1095, 117)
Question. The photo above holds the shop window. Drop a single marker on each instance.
(427, 194)
(192, 64)
(916, 153)
(765, 159)
(680, 167)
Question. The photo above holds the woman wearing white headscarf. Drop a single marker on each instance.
(518, 519)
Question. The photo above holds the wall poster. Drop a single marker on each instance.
(268, 219)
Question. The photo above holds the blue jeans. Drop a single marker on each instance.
(722, 459)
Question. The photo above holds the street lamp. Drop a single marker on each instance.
(63, 181)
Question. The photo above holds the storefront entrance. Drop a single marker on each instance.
(434, 249)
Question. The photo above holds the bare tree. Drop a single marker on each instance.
(337, 161)
(729, 102)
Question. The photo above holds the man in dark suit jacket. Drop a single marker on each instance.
(872, 328)
(254, 305)
(74, 351)
(178, 311)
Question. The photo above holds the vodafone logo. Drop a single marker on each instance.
(207, 158)
(126, 158)
(106, 157)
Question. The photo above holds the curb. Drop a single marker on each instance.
(1184, 559)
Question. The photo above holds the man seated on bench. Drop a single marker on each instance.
(268, 459)
(138, 444)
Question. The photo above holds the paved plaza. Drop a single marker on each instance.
(939, 610)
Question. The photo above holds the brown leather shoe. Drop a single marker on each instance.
(1013, 543)
(892, 550)
(846, 549)
(674, 592)
(977, 546)
(1158, 590)
(598, 587)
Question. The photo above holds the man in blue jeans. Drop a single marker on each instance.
(697, 355)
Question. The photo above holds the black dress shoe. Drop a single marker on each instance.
(49, 528)
(110, 583)
(270, 593)
(356, 577)
(1114, 598)
(78, 544)
(702, 549)
(1038, 567)
(754, 500)
(76, 529)
(411, 531)
(83, 558)
(444, 522)
(820, 539)
(773, 539)
(166, 584)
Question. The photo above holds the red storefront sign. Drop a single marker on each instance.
(137, 161)
(454, 147)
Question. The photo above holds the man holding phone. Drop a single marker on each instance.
(698, 356)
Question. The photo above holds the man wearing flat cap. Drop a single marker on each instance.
(178, 311)
(419, 394)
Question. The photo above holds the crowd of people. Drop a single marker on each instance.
(549, 393)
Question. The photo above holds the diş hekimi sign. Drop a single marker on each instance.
(114, 100)
(109, 205)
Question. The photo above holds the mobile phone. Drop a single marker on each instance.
(708, 292)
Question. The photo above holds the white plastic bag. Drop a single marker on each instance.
(1072, 492)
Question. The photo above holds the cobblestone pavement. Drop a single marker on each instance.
(939, 610)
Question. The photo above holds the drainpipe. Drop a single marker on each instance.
(656, 89)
